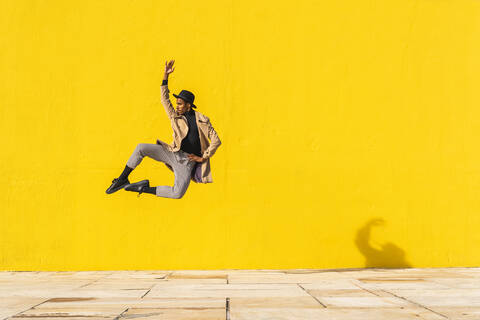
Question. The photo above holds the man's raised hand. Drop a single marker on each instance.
(168, 67)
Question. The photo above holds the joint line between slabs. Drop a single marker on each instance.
(227, 308)
(372, 292)
(415, 303)
(298, 284)
(20, 313)
(101, 278)
(121, 314)
(146, 293)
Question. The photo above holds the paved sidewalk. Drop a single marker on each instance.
(355, 294)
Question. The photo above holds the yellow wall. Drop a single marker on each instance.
(332, 114)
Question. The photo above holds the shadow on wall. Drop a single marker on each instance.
(388, 255)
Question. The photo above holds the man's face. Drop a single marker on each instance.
(182, 106)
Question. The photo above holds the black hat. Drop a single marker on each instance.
(187, 96)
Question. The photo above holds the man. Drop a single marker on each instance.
(188, 156)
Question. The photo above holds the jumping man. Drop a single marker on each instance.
(188, 156)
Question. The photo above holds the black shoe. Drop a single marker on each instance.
(138, 186)
(117, 184)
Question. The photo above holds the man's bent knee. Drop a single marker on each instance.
(178, 194)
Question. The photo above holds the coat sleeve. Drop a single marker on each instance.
(214, 141)
(165, 99)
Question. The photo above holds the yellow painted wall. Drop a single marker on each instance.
(350, 133)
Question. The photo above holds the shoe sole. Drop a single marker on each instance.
(116, 189)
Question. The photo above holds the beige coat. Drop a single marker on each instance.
(180, 129)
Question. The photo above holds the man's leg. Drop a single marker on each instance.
(154, 151)
(183, 172)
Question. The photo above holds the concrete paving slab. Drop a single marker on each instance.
(95, 311)
(459, 313)
(279, 302)
(369, 302)
(333, 314)
(341, 293)
(10, 306)
(62, 318)
(226, 290)
(175, 314)
(414, 293)
(209, 303)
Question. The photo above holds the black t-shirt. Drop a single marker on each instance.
(191, 142)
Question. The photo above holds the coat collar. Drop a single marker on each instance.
(198, 115)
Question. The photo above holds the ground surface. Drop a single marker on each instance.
(446, 293)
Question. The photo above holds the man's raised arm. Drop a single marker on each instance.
(164, 97)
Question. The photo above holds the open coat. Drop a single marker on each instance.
(180, 129)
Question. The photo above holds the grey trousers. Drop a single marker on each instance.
(182, 167)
